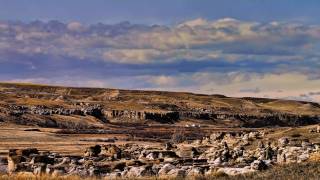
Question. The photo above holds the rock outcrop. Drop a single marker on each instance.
(219, 153)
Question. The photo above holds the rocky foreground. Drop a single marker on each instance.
(220, 153)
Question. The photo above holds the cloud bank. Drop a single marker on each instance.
(227, 56)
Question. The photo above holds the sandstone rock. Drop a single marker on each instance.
(306, 144)
(168, 146)
(253, 135)
(93, 151)
(283, 141)
(23, 152)
(40, 169)
(42, 159)
(217, 162)
(303, 157)
(177, 173)
(165, 169)
(112, 151)
(114, 175)
(258, 165)
(245, 137)
(13, 161)
(235, 171)
(49, 169)
(196, 171)
(140, 171)
(217, 136)
(118, 166)
(93, 171)
(65, 161)
(152, 156)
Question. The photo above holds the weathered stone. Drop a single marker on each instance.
(283, 141)
(177, 173)
(140, 171)
(318, 129)
(235, 171)
(165, 169)
(93, 151)
(258, 165)
(40, 169)
(303, 157)
(196, 171)
(168, 146)
(13, 161)
(112, 151)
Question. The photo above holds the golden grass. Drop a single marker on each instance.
(315, 157)
(30, 176)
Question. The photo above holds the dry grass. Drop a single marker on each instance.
(315, 157)
(29, 176)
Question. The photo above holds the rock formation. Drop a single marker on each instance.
(221, 153)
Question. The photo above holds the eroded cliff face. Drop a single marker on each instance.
(142, 116)
(48, 105)
(131, 116)
(254, 120)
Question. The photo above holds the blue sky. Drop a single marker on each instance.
(156, 11)
(261, 48)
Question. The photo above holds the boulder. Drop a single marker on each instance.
(42, 159)
(284, 141)
(253, 135)
(112, 151)
(177, 173)
(152, 156)
(93, 171)
(303, 157)
(196, 171)
(139, 171)
(39, 169)
(258, 165)
(217, 136)
(165, 169)
(169, 146)
(13, 162)
(93, 151)
(235, 171)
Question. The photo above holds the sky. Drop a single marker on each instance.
(259, 48)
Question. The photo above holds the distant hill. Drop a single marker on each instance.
(58, 106)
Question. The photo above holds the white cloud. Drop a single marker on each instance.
(238, 84)
(197, 39)
(132, 56)
(163, 81)
(75, 26)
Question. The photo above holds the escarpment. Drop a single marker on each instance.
(50, 105)
(105, 115)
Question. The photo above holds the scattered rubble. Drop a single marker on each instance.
(223, 152)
